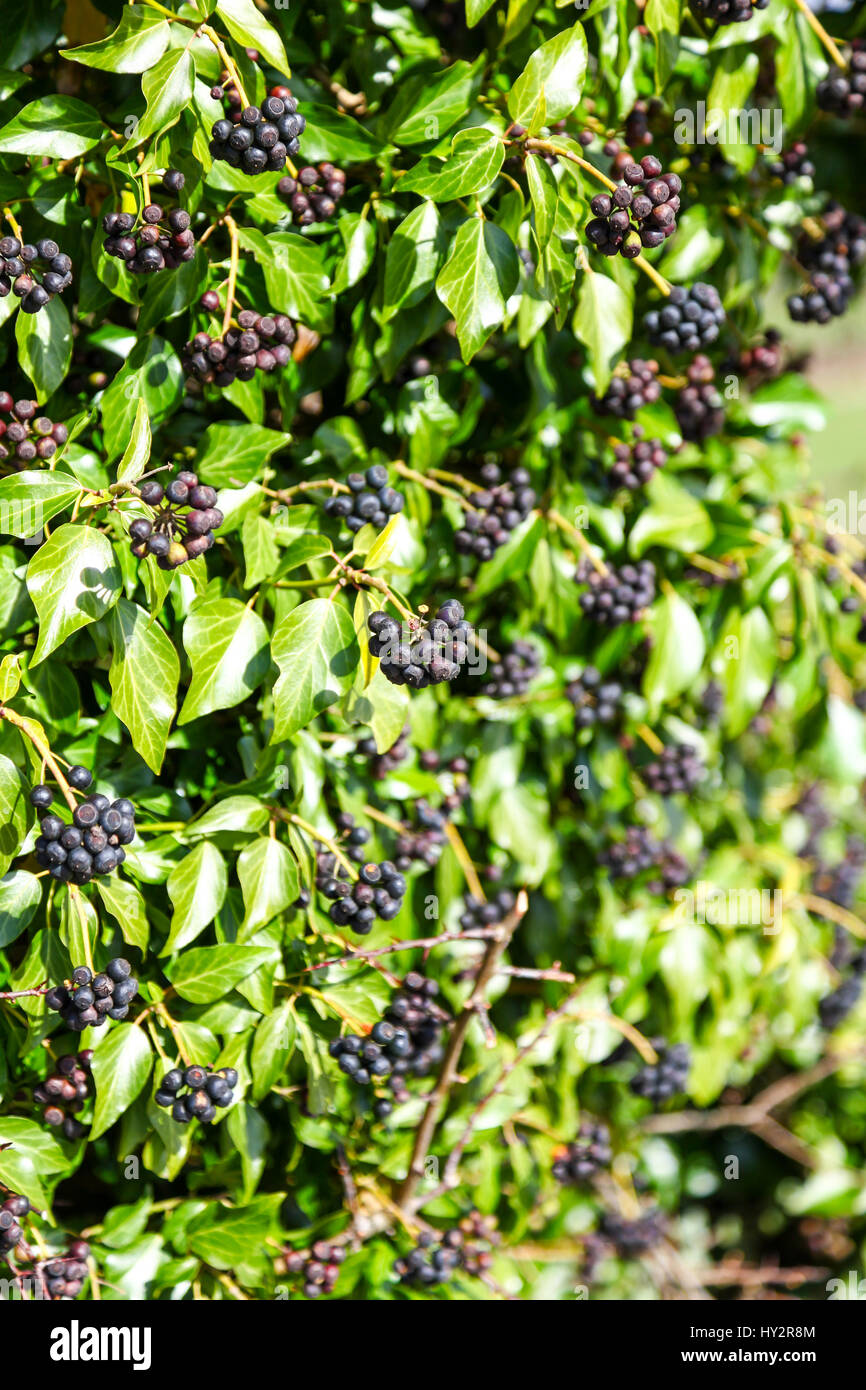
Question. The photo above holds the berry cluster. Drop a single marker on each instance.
(421, 843)
(513, 673)
(712, 701)
(18, 263)
(370, 500)
(835, 1007)
(89, 1000)
(65, 1275)
(157, 240)
(171, 535)
(708, 579)
(436, 1258)
(764, 361)
(665, 1078)
(677, 768)
(12, 1210)
(477, 914)
(407, 1041)
(93, 844)
(596, 701)
(259, 141)
(28, 435)
(378, 891)
(319, 1266)
(727, 11)
(639, 852)
(587, 1155)
(636, 1236)
(637, 386)
(698, 406)
(618, 595)
(635, 464)
(498, 508)
(839, 882)
(204, 1091)
(640, 213)
(792, 164)
(261, 342)
(690, 319)
(66, 1092)
(637, 131)
(419, 656)
(380, 764)
(313, 196)
(830, 261)
(844, 93)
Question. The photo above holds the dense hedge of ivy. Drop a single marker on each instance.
(522, 921)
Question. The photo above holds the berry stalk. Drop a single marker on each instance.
(25, 727)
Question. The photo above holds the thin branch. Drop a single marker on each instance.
(28, 728)
(438, 1097)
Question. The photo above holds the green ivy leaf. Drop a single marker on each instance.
(73, 580)
(227, 645)
(317, 652)
(197, 888)
(138, 42)
(476, 280)
(427, 106)
(673, 518)
(272, 1047)
(144, 675)
(295, 275)
(261, 552)
(413, 258)
(137, 452)
(126, 905)
(747, 658)
(249, 27)
(13, 812)
(210, 972)
(151, 374)
(120, 1067)
(603, 323)
(168, 89)
(45, 346)
(28, 500)
(544, 194)
(677, 651)
(359, 248)
(550, 86)
(475, 159)
(662, 18)
(20, 895)
(268, 875)
(230, 454)
(332, 135)
(59, 127)
(694, 248)
(166, 296)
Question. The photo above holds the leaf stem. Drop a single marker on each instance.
(232, 228)
(325, 840)
(465, 859)
(652, 740)
(438, 1097)
(175, 1033)
(228, 62)
(577, 535)
(431, 485)
(13, 224)
(26, 727)
(821, 33)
